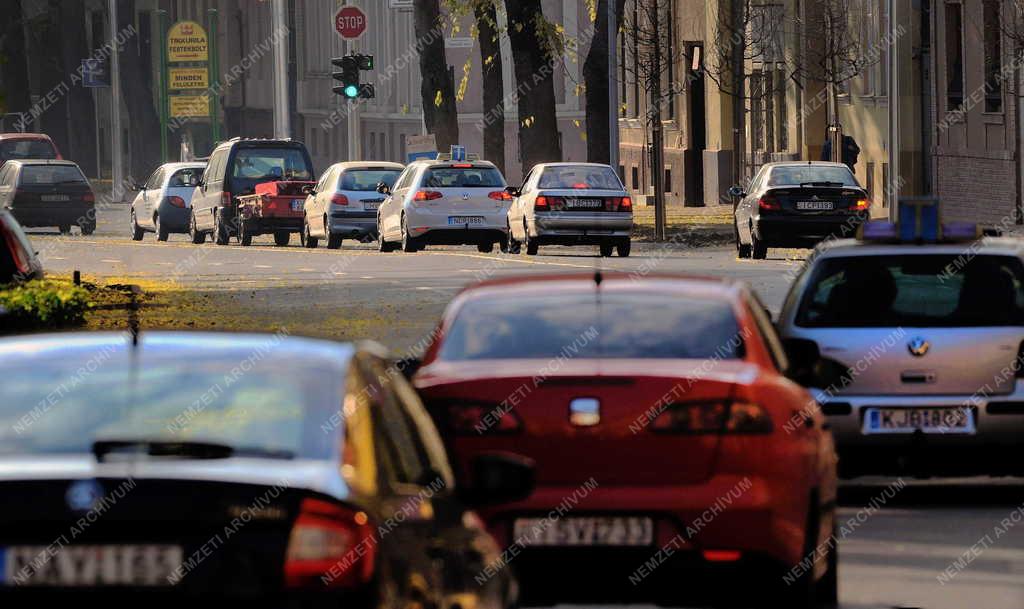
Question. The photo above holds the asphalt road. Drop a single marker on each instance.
(936, 545)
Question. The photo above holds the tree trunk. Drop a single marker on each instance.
(538, 124)
(45, 71)
(13, 67)
(143, 124)
(75, 48)
(596, 80)
(437, 89)
(493, 83)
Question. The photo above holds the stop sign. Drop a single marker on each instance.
(350, 21)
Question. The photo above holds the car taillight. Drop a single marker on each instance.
(225, 198)
(768, 204)
(580, 186)
(500, 195)
(626, 204)
(618, 204)
(176, 201)
(862, 205)
(329, 545)
(481, 419)
(713, 417)
(426, 195)
(19, 255)
(89, 197)
(339, 199)
(542, 203)
(1018, 364)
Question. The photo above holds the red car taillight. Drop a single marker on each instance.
(768, 204)
(89, 197)
(500, 195)
(543, 203)
(339, 199)
(176, 201)
(329, 545)
(862, 205)
(426, 195)
(626, 204)
(481, 419)
(618, 204)
(225, 198)
(713, 417)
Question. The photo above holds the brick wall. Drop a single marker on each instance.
(975, 189)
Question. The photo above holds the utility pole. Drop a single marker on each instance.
(657, 132)
(282, 128)
(117, 161)
(613, 88)
(737, 60)
(894, 124)
(352, 119)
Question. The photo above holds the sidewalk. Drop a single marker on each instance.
(691, 226)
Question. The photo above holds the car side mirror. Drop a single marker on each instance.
(804, 357)
(497, 478)
(308, 189)
(512, 190)
(737, 192)
(383, 189)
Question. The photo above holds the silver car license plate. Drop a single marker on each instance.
(938, 420)
(584, 204)
(90, 566)
(297, 204)
(585, 531)
(815, 205)
(371, 204)
(460, 220)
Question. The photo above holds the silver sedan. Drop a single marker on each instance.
(571, 204)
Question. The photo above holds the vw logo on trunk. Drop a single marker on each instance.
(585, 412)
(83, 495)
(918, 346)
(465, 196)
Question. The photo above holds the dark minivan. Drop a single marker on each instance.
(44, 193)
(234, 169)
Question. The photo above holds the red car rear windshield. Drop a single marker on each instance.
(631, 326)
(26, 149)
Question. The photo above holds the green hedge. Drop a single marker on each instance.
(42, 305)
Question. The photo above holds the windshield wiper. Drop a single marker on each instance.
(181, 448)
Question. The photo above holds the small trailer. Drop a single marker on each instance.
(275, 208)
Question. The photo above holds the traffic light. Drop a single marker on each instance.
(351, 66)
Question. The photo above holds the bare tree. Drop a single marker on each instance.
(436, 89)
(596, 80)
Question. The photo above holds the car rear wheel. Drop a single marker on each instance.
(244, 236)
(532, 247)
(198, 237)
(382, 244)
(758, 248)
(742, 249)
(513, 246)
(606, 250)
(281, 238)
(333, 241)
(485, 248)
(137, 232)
(409, 243)
(623, 248)
(87, 227)
(308, 240)
(220, 231)
(65, 229)
(162, 234)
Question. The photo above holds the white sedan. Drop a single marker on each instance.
(571, 204)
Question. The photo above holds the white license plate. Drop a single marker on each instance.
(297, 204)
(815, 205)
(584, 204)
(90, 566)
(937, 420)
(460, 220)
(55, 198)
(584, 531)
(371, 205)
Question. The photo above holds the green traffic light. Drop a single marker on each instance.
(351, 91)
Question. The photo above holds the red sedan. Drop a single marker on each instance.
(669, 444)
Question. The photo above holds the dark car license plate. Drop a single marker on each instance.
(815, 205)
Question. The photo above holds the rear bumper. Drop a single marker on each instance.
(175, 219)
(50, 215)
(575, 227)
(256, 226)
(752, 514)
(358, 225)
(474, 235)
(794, 231)
(994, 447)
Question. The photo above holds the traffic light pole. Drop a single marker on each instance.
(355, 144)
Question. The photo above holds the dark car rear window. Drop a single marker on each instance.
(26, 149)
(463, 177)
(50, 174)
(264, 164)
(924, 290)
(805, 174)
(633, 326)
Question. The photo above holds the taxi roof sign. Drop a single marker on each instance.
(919, 220)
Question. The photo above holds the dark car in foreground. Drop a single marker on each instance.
(230, 470)
(646, 405)
(18, 259)
(797, 204)
(48, 193)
